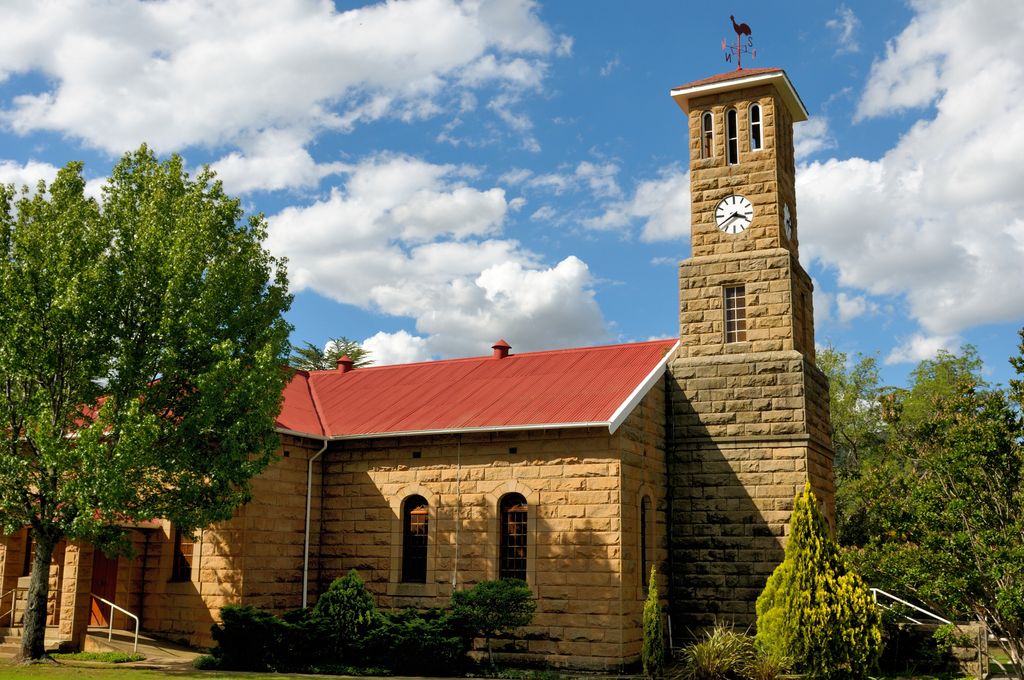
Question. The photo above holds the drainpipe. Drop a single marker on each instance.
(309, 504)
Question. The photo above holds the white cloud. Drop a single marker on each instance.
(396, 348)
(610, 66)
(811, 136)
(545, 213)
(186, 73)
(274, 159)
(26, 174)
(936, 218)
(845, 25)
(409, 238)
(662, 205)
(849, 307)
(921, 347)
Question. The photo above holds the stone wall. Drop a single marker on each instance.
(583, 505)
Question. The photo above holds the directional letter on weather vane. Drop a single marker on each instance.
(740, 48)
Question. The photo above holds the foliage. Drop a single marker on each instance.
(348, 611)
(310, 357)
(102, 657)
(948, 512)
(491, 608)
(652, 652)
(723, 653)
(249, 639)
(141, 342)
(766, 665)
(858, 430)
(412, 642)
(813, 609)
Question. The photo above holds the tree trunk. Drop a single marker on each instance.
(33, 638)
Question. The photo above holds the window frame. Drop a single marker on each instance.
(756, 126)
(707, 135)
(415, 545)
(513, 547)
(732, 137)
(734, 307)
(182, 564)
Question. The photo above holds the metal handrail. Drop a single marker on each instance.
(14, 604)
(875, 592)
(110, 629)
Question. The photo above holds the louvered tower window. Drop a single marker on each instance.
(732, 138)
(755, 127)
(707, 135)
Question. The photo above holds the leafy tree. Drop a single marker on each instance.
(652, 652)
(491, 608)
(310, 357)
(813, 609)
(948, 517)
(858, 431)
(141, 344)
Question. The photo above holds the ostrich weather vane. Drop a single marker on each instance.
(741, 47)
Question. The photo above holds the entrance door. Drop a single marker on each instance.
(104, 584)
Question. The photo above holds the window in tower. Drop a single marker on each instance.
(755, 127)
(512, 557)
(707, 137)
(735, 314)
(415, 520)
(732, 139)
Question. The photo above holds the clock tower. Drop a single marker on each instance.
(749, 421)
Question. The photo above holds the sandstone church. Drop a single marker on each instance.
(574, 469)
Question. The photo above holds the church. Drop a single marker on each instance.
(576, 470)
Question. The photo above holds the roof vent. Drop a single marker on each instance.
(345, 364)
(501, 349)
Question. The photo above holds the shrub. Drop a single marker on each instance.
(346, 614)
(652, 653)
(206, 662)
(723, 653)
(813, 609)
(411, 642)
(248, 639)
(765, 665)
(493, 607)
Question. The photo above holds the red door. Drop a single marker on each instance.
(104, 584)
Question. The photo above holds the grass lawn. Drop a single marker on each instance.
(15, 672)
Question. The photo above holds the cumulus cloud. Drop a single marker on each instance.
(396, 348)
(413, 239)
(811, 136)
(265, 78)
(849, 307)
(936, 219)
(920, 347)
(661, 205)
(26, 174)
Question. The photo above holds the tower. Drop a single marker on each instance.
(749, 422)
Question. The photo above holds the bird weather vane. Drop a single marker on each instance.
(740, 48)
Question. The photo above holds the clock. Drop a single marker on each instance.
(787, 221)
(734, 214)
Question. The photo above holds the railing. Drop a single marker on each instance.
(9, 615)
(875, 592)
(110, 620)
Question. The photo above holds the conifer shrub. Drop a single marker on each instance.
(813, 609)
(348, 613)
(652, 652)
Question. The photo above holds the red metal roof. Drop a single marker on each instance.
(561, 388)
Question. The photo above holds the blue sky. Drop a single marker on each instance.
(441, 174)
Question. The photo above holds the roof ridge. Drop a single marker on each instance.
(481, 357)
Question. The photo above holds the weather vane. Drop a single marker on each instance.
(740, 48)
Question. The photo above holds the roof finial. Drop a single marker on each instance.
(740, 48)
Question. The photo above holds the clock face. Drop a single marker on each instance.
(787, 221)
(734, 214)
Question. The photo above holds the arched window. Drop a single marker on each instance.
(645, 518)
(415, 521)
(707, 135)
(512, 550)
(732, 139)
(755, 127)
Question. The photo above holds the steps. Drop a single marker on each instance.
(10, 642)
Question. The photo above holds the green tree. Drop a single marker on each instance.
(491, 608)
(858, 431)
(141, 344)
(813, 609)
(311, 357)
(652, 652)
(948, 519)
(348, 611)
